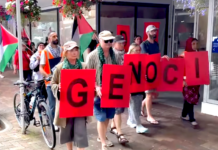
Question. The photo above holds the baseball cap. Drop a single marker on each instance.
(151, 28)
(70, 45)
(106, 35)
(119, 39)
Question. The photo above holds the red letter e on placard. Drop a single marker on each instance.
(115, 86)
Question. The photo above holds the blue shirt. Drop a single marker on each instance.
(149, 48)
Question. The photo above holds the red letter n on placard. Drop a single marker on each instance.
(115, 86)
(77, 93)
(137, 61)
(197, 68)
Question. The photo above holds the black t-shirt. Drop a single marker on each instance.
(150, 48)
(92, 45)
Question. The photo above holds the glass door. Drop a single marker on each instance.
(135, 14)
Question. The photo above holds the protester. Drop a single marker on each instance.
(103, 54)
(35, 62)
(72, 129)
(33, 47)
(26, 54)
(34, 65)
(136, 100)
(118, 47)
(190, 93)
(51, 51)
(92, 45)
(138, 39)
(150, 46)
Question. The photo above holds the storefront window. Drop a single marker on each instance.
(47, 23)
(213, 90)
(184, 28)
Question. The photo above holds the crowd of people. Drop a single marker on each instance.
(104, 49)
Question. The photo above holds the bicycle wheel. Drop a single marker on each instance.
(48, 131)
(17, 110)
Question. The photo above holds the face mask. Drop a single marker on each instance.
(55, 42)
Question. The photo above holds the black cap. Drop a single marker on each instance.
(119, 38)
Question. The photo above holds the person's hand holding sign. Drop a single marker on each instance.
(166, 57)
(98, 91)
(59, 87)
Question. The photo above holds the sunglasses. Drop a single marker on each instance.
(108, 41)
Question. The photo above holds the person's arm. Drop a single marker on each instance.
(144, 48)
(42, 65)
(34, 62)
(55, 84)
(15, 62)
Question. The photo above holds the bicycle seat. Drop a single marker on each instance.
(24, 83)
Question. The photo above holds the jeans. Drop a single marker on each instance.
(188, 109)
(51, 100)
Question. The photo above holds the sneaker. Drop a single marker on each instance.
(140, 129)
(56, 128)
(131, 125)
(185, 118)
(194, 123)
(1, 76)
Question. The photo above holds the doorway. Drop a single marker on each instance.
(135, 15)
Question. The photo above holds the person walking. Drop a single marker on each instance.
(136, 100)
(52, 50)
(118, 47)
(190, 93)
(150, 46)
(34, 65)
(103, 54)
(71, 129)
(26, 53)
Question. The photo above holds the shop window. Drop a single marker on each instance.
(42, 28)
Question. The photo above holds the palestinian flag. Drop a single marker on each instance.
(82, 33)
(8, 46)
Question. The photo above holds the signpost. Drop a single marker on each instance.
(20, 64)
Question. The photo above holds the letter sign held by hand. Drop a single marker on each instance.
(77, 93)
(116, 86)
(172, 72)
(82, 94)
(137, 61)
(152, 71)
(197, 68)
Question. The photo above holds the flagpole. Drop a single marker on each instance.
(20, 64)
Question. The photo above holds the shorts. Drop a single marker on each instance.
(119, 111)
(102, 114)
(150, 91)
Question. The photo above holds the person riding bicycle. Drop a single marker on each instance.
(72, 129)
(51, 51)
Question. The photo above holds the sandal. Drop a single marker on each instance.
(142, 113)
(122, 139)
(153, 122)
(108, 143)
(104, 147)
(113, 132)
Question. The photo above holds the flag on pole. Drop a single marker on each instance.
(82, 33)
(8, 46)
(25, 36)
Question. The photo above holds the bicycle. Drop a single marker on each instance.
(47, 126)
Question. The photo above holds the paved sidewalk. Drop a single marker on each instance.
(171, 134)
